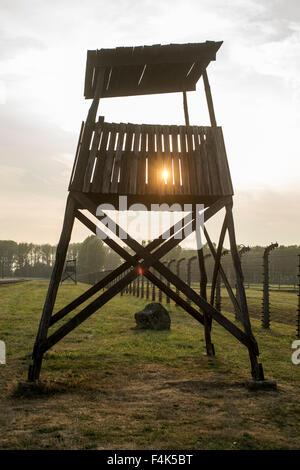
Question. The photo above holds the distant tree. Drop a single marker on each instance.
(92, 255)
(73, 250)
(23, 258)
(112, 259)
(46, 250)
(8, 251)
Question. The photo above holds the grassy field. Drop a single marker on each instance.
(109, 386)
(283, 305)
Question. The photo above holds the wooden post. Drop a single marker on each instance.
(189, 274)
(153, 293)
(218, 294)
(298, 310)
(75, 273)
(142, 287)
(185, 108)
(160, 291)
(147, 289)
(168, 283)
(210, 350)
(61, 253)
(242, 251)
(238, 271)
(266, 295)
(178, 273)
(218, 301)
(256, 368)
(209, 100)
(78, 180)
(134, 287)
(266, 287)
(122, 290)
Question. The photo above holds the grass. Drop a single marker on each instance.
(109, 386)
(283, 304)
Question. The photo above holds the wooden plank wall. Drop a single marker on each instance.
(131, 159)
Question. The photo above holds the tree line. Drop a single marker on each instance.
(92, 255)
(34, 260)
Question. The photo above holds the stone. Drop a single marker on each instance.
(153, 317)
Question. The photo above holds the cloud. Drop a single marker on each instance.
(255, 85)
(14, 46)
(33, 155)
(278, 58)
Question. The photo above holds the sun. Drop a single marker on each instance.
(165, 175)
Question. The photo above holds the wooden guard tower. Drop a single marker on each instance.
(70, 271)
(129, 159)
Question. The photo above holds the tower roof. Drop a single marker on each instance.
(148, 69)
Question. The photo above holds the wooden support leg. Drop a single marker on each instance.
(237, 315)
(142, 287)
(221, 272)
(160, 292)
(210, 350)
(256, 368)
(153, 293)
(298, 309)
(153, 260)
(61, 252)
(218, 294)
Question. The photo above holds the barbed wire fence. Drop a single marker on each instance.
(298, 294)
(267, 289)
(265, 320)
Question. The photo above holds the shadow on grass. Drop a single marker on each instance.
(47, 388)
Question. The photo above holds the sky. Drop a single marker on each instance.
(255, 83)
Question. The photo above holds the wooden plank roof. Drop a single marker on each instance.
(148, 69)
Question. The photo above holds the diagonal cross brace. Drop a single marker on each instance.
(105, 297)
(118, 271)
(222, 272)
(153, 260)
(148, 274)
(149, 260)
(87, 311)
(209, 212)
